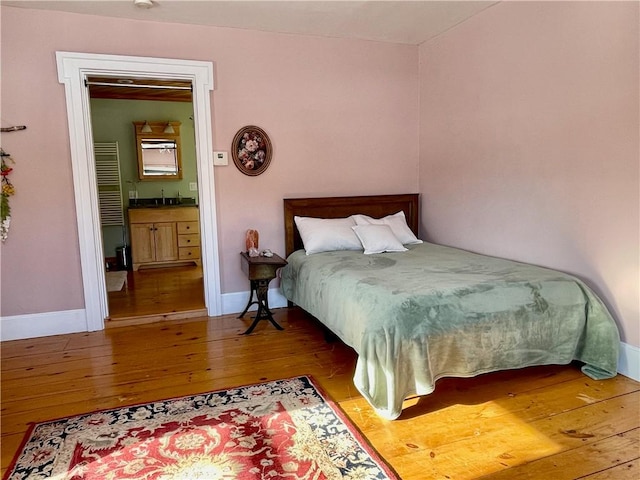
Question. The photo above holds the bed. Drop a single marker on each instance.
(432, 311)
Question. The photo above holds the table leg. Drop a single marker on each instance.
(262, 293)
(251, 301)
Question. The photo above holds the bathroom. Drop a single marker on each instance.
(156, 288)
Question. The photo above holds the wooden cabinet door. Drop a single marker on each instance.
(142, 242)
(166, 237)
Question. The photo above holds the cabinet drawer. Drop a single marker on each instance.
(163, 214)
(189, 253)
(189, 240)
(188, 227)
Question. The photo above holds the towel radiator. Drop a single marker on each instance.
(109, 186)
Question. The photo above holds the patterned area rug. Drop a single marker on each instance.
(280, 429)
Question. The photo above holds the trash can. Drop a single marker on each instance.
(123, 255)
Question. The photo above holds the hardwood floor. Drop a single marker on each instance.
(153, 294)
(543, 423)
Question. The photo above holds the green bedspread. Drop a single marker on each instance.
(435, 311)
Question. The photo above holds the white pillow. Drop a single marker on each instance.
(327, 234)
(397, 222)
(378, 239)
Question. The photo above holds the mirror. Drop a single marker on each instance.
(159, 157)
(158, 145)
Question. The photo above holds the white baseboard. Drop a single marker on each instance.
(42, 324)
(73, 321)
(629, 361)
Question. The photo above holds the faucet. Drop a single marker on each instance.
(134, 200)
(179, 198)
(162, 195)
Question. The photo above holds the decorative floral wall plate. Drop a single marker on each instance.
(251, 150)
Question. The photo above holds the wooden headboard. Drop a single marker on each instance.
(338, 207)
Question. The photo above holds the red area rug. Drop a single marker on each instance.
(275, 430)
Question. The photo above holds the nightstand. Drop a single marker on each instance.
(260, 271)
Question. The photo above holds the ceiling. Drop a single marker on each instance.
(404, 22)
(139, 89)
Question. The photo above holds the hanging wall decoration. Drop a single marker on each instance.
(7, 187)
(251, 150)
(7, 191)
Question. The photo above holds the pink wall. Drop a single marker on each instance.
(529, 143)
(527, 122)
(342, 116)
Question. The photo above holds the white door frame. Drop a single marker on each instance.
(73, 69)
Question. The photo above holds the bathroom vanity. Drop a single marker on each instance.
(164, 235)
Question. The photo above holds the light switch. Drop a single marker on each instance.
(220, 158)
(193, 186)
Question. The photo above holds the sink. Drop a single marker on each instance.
(162, 202)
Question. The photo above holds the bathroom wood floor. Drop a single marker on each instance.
(154, 294)
(548, 422)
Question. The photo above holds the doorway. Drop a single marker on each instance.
(73, 71)
(120, 108)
